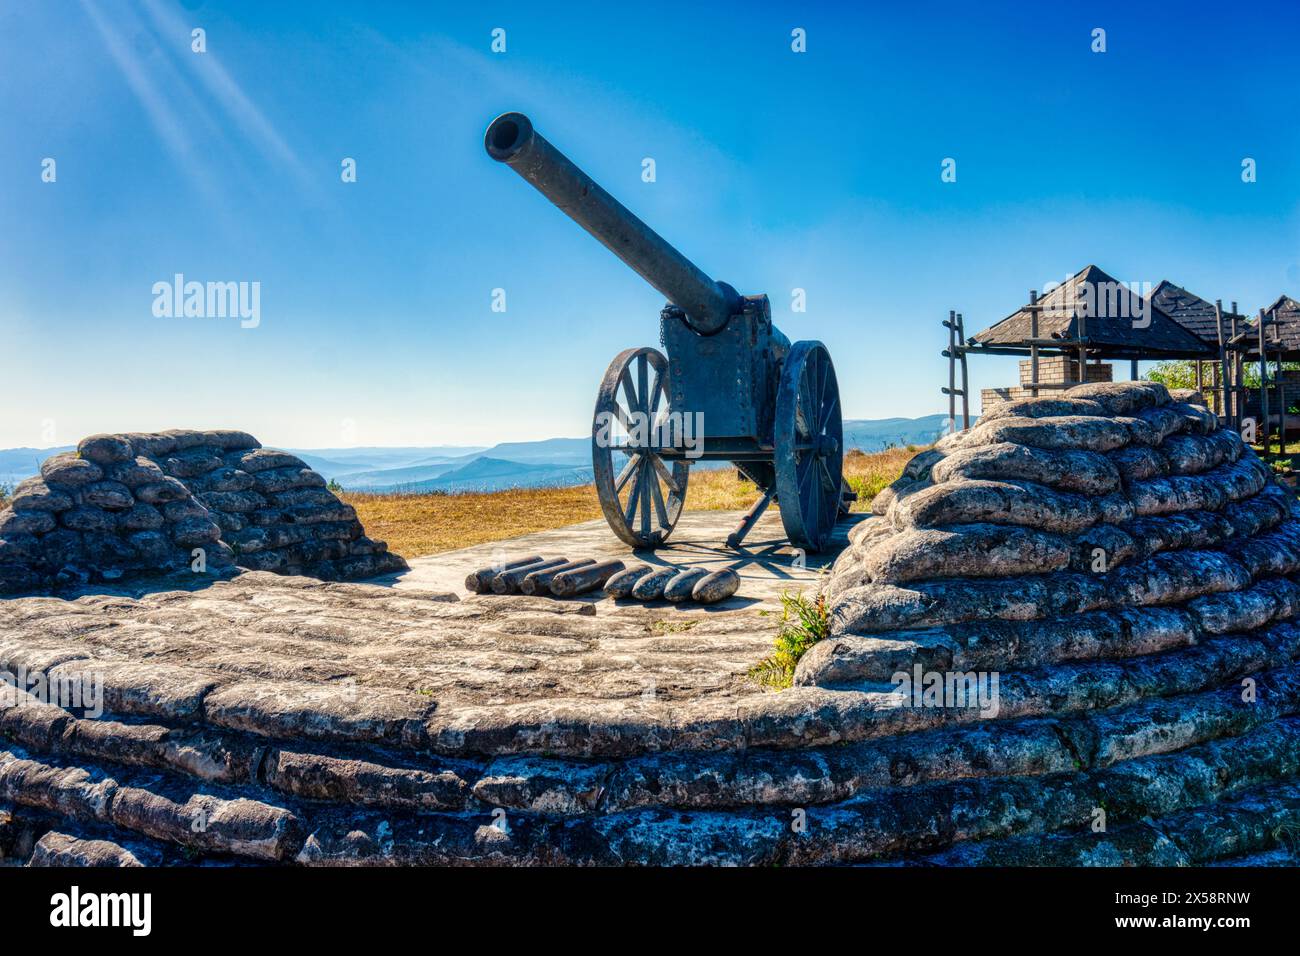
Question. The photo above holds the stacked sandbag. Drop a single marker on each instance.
(134, 505)
(278, 515)
(1057, 519)
(101, 514)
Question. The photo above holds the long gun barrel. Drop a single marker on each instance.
(708, 305)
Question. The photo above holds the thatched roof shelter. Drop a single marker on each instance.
(1097, 313)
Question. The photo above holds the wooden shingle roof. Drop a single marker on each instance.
(1281, 332)
(1283, 303)
(1192, 312)
(1116, 322)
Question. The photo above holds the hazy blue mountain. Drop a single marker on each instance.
(328, 467)
(19, 463)
(405, 453)
(527, 464)
(340, 461)
(495, 474)
(876, 434)
(388, 477)
(554, 450)
(564, 454)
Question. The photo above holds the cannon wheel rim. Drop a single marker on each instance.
(808, 480)
(637, 380)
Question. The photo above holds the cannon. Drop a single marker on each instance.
(731, 387)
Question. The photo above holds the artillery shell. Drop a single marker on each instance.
(620, 585)
(581, 580)
(539, 582)
(679, 588)
(715, 587)
(480, 581)
(651, 587)
(507, 582)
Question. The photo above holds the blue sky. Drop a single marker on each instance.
(775, 170)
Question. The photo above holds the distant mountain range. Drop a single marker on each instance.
(877, 434)
(553, 462)
(19, 463)
(494, 474)
(332, 462)
(533, 464)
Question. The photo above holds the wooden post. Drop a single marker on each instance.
(1198, 375)
(1279, 386)
(1238, 378)
(952, 371)
(1263, 383)
(1133, 370)
(957, 352)
(1033, 342)
(1281, 405)
(965, 380)
(1222, 373)
(1083, 348)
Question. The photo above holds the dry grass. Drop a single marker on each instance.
(416, 524)
(426, 524)
(869, 474)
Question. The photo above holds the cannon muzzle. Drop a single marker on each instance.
(708, 305)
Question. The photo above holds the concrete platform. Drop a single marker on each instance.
(767, 564)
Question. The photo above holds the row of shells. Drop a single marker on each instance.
(562, 578)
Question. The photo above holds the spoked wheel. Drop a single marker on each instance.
(639, 492)
(809, 439)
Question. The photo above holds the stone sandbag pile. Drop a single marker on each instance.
(136, 505)
(1094, 549)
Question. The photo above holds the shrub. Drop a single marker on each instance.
(803, 624)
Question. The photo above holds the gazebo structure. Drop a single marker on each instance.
(1089, 316)
(1219, 329)
(1275, 337)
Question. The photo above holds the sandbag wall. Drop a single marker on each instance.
(1143, 704)
(141, 505)
(1052, 506)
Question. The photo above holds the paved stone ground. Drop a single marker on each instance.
(767, 564)
(420, 641)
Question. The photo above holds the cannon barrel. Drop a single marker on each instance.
(708, 305)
